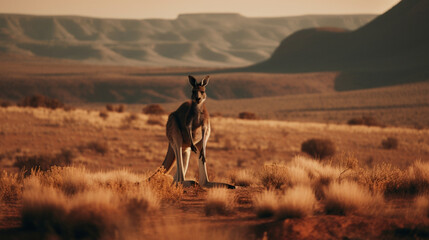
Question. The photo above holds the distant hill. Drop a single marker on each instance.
(189, 40)
(391, 49)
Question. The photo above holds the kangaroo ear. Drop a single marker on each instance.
(192, 81)
(205, 81)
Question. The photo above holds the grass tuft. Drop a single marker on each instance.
(296, 202)
(218, 202)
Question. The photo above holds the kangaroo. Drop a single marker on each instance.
(188, 129)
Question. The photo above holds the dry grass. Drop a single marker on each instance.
(265, 204)
(74, 203)
(218, 201)
(296, 202)
(10, 186)
(274, 176)
(44, 162)
(242, 177)
(94, 146)
(153, 109)
(421, 204)
(344, 198)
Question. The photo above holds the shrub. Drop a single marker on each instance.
(274, 176)
(110, 108)
(348, 197)
(10, 186)
(120, 108)
(37, 100)
(161, 185)
(44, 162)
(218, 202)
(242, 178)
(318, 148)
(95, 146)
(364, 120)
(5, 103)
(297, 202)
(154, 109)
(247, 115)
(265, 204)
(390, 143)
(104, 115)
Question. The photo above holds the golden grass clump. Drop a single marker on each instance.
(10, 186)
(296, 202)
(218, 202)
(346, 197)
(163, 189)
(242, 178)
(74, 203)
(265, 204)
(274, 176)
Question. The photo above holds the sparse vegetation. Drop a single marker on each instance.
(265, 204)
(94, 146)
(242, 178)
(38, 100)
(154, 109)
(104, 115)
(296, 202)
(44, 162)
(112, 108)
(348, 197)
(156, 120)
(247, 115)
(318, 148)
(10, 186)
(218, 202)
(129, 120)
(5, 103)
(364, 120)
(390, 143)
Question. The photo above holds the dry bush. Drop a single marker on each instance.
(154, 109)
(94, 146)
(364, 120)
(347, 197)
(10, 186)
(104, 115)
(101, 205)
(120, 108)
(242, 178)
(129, 120)
(44, 162)
(5, 103)
(389, 143)
(265, 204)
(162, 185)
(247, 115)
(37, 100)
(296, 202)
(218, 202)
(318, 148)
(274, 176)
(155, 120)
(112, 108)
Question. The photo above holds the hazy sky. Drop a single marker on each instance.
(171, 8)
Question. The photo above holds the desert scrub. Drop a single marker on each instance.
(94, 146)
(265, 204)
(242, 178)
(218, 201)
(318, 148)
(346, 197)
(38, 100)
(364, 120)
(153, 109)
(274, 176)
(247, 115)
(10, 186)
(75, 203)
(389, 143)
(296, 202)
(44, 162)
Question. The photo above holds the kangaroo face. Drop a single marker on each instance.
(198, 89)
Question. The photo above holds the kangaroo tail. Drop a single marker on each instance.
(167, 164)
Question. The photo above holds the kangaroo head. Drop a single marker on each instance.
(198, 89)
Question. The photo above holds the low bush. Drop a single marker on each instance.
(95, 146)
(364, 120)
(318, 148)
(10, 186)
(265, 204)
(247, 115)
(112, 108)
(44, 162)
(154, 109)
(38, 100)
(296, 202)
(242, 178)
(104, 115)
(274, 176)
(389, 143)
(344, 198)
(5, 103)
